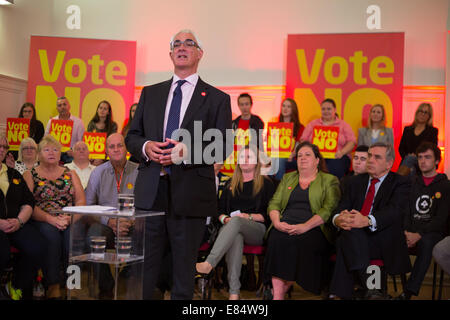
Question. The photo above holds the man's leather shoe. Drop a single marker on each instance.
(404, 296)
(375, 294)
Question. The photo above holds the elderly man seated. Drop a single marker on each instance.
(80, 162)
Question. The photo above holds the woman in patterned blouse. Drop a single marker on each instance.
(54, 188)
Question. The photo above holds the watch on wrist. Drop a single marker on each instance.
(20, 222)
(370, 222)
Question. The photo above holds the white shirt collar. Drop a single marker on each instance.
(192, 79)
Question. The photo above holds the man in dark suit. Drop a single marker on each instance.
(370, 220)
(185, 190)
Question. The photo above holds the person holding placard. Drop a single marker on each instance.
(28, 111)
(333, 136)
(289, 114)
(246, 122)
(376, 130)
(77, 130)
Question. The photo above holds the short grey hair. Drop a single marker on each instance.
(199, 43)
(390, 151)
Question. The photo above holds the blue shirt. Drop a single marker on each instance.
(102, 185)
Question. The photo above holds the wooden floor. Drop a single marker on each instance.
(299, 294)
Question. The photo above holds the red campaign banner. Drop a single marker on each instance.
(96, 143)
(355, 70)
(61, 130)
(86, 71)
(17, 130)
(326, 139)
(280, 141)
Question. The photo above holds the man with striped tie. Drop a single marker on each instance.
(184, 190)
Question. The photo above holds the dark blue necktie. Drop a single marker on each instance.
(173, 121)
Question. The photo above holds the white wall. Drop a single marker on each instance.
(244, 40)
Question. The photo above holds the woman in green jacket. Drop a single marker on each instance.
(298, 239)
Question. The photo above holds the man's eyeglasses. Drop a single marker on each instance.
(187, 43)
(4, 146)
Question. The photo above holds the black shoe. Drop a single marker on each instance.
(374, 294)
(404, 296)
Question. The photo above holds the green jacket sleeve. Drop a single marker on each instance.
(331, 196)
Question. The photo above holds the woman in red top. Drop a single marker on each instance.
(289, 113)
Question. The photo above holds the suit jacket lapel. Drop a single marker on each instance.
(364, 184)
(160, 102)
(197, 100)
(383, 188)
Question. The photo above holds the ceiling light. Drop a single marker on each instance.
(6, 2)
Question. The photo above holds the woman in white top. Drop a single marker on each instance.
(376, 130)
(27, 158)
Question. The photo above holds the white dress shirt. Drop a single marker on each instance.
(187, 89)
(370, 216)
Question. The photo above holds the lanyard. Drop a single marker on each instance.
(119, 181)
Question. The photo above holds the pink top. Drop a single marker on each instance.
(346, 133)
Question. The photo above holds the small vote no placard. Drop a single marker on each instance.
(95, 142)
(326, 138)
(17, 129)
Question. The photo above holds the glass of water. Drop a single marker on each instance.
(126, 203)
(123, 246)
(98, 246)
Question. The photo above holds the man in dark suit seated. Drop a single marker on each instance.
(370, 217)
(185, 190)
(426, 220)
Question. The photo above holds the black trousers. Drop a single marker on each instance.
(423, 250)
(4, 251)
(32, 248)
(354, 250)
(183, 234)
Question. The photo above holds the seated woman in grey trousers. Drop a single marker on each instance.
(243, 212)
(441, 253)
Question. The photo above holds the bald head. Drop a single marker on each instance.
(115, 136)
(115, 148)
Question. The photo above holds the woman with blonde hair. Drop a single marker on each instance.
(419, 131)
(376, 130)
(28, 156)
(54, 187)
(243, 212)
